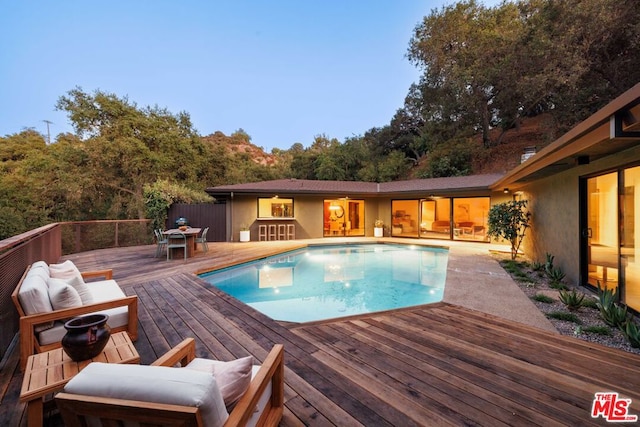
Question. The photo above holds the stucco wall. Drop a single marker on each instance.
(308, 215)
(554, 205)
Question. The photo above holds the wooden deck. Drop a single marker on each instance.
(432, 365)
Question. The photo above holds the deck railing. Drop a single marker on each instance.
(49, 243)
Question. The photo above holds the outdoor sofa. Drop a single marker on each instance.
(49, 295)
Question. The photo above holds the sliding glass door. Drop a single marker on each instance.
(612, 229)
(462, 218)
(602, 231)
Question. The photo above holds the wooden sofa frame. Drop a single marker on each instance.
(28, 340)
(76, 408)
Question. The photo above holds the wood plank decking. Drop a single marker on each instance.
(432, 365)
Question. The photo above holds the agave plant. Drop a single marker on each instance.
(556, 275)
(573, 300)
(611, 312)
(631, 331)
(548, 264)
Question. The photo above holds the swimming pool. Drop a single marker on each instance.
(325, 282)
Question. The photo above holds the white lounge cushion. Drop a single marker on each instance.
(262, 402)
(105, 290)
(233, 377)
(70, 273)
(153, 384)
(62, 294)
(34, 296)
(41, 264)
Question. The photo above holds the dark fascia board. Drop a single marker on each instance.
(471, 185)
(597, 129)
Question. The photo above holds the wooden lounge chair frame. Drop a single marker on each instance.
(76, 408)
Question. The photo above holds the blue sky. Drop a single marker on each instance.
(282, 70)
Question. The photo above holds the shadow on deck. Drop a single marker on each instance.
(441, 364)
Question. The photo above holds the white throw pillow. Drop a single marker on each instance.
(233, 377)
(41, 264)
(63, 295)
(68, 272)
(157, 384)
(34, 297)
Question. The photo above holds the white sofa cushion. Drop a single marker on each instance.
(153, 384)
(34, 296)
(41, 264)
(62, 294)
(105, 290)
(70, 273)
(233, 377)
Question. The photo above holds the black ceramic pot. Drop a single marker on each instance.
(86, 336)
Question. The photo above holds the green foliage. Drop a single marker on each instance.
(548, 264)
(543, 298)
(451, 159)
(611, 312)
(573, 300)
(556, 275)
(599, 330)
(558, 285)
(564, 316)
(590, 303)
(160, 195)
(631, 332)
(486, 68)
(509, 221)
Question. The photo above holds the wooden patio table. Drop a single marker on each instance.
(50, 371)
(191, 234)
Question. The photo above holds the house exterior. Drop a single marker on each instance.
(445, 208)
(580, 191)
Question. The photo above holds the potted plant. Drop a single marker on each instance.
(245, 234)
(378, 228)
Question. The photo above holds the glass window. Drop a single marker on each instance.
(470, 218)
(602, 230)
(630, 234)
(343, 217)
(275, 207)
(404, 218)
(435, 218)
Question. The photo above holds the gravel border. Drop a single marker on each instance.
(539, 284)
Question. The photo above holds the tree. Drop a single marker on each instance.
(128, 147)
(509, 221)
(463, 50)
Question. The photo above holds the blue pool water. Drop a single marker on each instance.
(325, 282)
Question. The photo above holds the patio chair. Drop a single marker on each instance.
(203, 239)
(176, 240)
(163, 394)
(161, 241)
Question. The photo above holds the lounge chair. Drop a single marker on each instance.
(105, 394)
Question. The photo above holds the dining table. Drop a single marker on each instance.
(190, 233)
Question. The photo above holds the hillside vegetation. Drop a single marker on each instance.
(493, 81)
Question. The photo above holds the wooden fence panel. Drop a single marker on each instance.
(212, 215)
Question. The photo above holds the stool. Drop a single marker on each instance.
(282, 231)
(272, 232)
(262, 232)
(291, 232)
